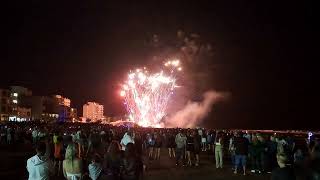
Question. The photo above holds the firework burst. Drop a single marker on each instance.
(146, 95)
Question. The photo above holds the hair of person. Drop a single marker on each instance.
(130, 151)
(114, 149)
(196, 132)
(59, 139)
(96, 158)
(70, 152)
(41, 148)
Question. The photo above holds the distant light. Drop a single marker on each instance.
(122, 93)
(15, 94)
(15, 101)
(179, 69)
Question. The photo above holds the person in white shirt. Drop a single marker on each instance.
(34, 135)
(39, 166)
(95, 167)
(127, 138)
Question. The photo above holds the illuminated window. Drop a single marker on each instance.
(15, 101)
(15, 94)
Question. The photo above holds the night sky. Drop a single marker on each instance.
(263, 51)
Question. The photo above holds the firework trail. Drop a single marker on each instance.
(146, 95)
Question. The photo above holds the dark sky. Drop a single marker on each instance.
(82, 50)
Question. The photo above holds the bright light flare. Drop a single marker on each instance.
(122, 93)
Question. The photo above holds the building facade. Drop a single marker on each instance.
(21, 111)
(93, 111)
(5, 104)
(18, 104)
(63, 101)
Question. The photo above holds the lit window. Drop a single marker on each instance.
(15, 94)
(15, 101)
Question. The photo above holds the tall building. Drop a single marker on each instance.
(18, 104)
(66, 113)
(73, 114)
(20, 110)
(37, 105)
(63, 101)
(19, 90)
(5, 104)
(93, 111)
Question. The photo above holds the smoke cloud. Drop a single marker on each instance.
(194, 112)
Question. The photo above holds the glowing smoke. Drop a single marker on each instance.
(194, 112)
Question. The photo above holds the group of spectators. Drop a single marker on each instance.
(84, 151)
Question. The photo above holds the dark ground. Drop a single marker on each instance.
(13, 166)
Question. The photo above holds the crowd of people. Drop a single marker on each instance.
(95, 151)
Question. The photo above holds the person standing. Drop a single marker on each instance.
(189, 147)
(271, 154)
(34, 135)
(219, 151)
(181, 145)
(80, 142)
(39, 166)
(157, 146)
(241, 145)
(151, 143)
(284, 172)
(232, 150)
(254, 154)
(58, 158)
(204, 141)
(127, 138)
(9, 136)
(131, 164)
(210, 141)
(72, 166)
(2, 135)
(95, 168)
(197, 146)
(171, 145)
(112, 161)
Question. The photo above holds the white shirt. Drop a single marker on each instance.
(34, 133)
(39, 169)
(125, 140)
(94, 170)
